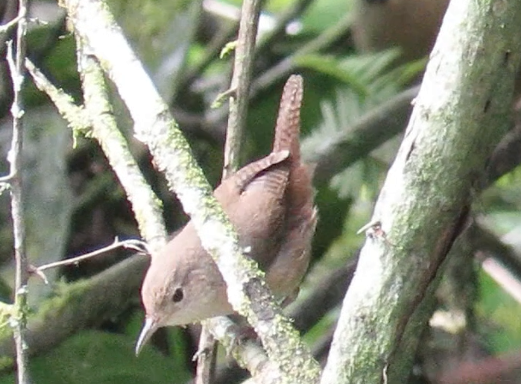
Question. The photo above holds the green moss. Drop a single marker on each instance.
(64, 298)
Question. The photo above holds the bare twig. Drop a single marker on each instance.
(506, 279)
(136, 245)
(206, 357)
(144, 202)
(10, 24)
(19, 319)
(81, 305)
(238, 110)
(241, 84)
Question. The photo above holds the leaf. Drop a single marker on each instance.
(365, 74)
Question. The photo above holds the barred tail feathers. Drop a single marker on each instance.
(287, 129)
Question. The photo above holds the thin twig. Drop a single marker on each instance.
(79, 305)
(206, 357)
(6, 178)
(17, 69)
(501, 275)
(136, 245)
(144, 202)
(238, 110)
(287, 65)
(10, 24)
(241, 84)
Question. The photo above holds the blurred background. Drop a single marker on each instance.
(361, 61)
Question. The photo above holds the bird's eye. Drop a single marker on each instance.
(178, 295)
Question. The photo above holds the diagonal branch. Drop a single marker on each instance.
(460, 114)
(155, 127)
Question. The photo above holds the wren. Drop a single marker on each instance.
(270, 202)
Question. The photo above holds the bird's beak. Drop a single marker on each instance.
(147, 331)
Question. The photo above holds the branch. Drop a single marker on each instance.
(46, 329)
(155, 127)
(240, 84)
(423, 204)
(4, 28)
(124, 278)
(287, 65)
(96, 120)
(237, 118)
(19, 319)
(248, 354)
(79, 305)
(48, 333)
(145, 203)
(135, 245)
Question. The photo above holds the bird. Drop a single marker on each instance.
(270, 203)
(410, 25)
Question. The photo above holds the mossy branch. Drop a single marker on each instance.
(459, 116)
(155, 127)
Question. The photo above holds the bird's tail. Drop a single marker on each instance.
(287, 130)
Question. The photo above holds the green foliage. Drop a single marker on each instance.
(498, 316)
(6, 312)
(228, 49)
(323, 13)
(93, 357)
(497, 310)
(62, 61)
(364, 74)
(363, 82)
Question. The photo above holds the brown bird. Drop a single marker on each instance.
(411, 25)
(270, 203)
